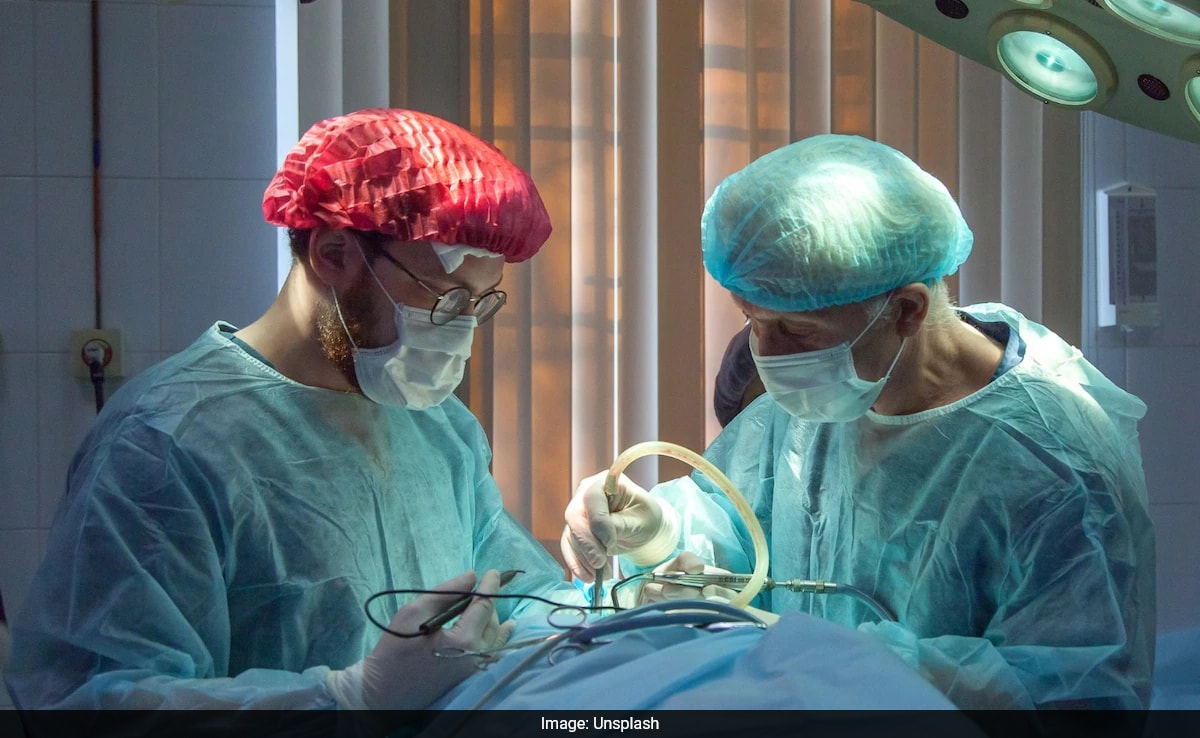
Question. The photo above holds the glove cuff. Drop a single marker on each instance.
(346, 686)
(664, 542)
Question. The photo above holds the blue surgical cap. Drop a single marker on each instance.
(830, 220)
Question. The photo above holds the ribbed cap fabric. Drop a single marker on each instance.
(410, 175)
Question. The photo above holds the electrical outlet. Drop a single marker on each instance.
(104, 345)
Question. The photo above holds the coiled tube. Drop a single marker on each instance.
(704, 466)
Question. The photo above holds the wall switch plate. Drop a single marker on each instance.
(104, 345)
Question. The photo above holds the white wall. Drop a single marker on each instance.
(188, 141)
(1161, 365)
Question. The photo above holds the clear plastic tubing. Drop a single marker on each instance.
(762, 558)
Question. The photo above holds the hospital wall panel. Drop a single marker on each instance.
(131, 283)
(218, 256)
(1109, 137)
(65, 288)
(129, 90)
(62, 61)
(1163, 160)
(18, 278)
(1159, 364)
(18, 440)
(1166, 379)
(1178, 245)
(1111, 362)
(16, 89)
(217, 108)
(1178, 596)
(66, 409)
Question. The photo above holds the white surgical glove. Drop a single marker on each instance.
(685, 563)
(404, 673)
(631, 523)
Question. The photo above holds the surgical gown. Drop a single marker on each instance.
(1008, 531)
(223, 526)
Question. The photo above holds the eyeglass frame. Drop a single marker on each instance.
(471, 299)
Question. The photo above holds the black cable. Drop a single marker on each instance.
(97, 372)
(499, 595)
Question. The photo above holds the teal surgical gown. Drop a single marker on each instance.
(223, 526)
(1008, 531)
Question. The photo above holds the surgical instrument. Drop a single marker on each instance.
(436, 622)
(737, 581)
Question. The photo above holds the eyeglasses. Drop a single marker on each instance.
(451, 303)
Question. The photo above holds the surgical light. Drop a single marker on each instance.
(1191, 86)
(1132, 60)
(1162, 18)
(1050, 59)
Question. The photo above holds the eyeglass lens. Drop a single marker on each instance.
(451, 304)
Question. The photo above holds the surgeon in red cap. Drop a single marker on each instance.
(235, 506)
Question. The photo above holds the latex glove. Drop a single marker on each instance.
(404, 673)
(631, 523)
(689, 563)
(686, 563)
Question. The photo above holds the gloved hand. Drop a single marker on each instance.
(404, 673)
(631, 523)
(689, 563)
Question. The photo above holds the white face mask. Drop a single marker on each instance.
(422, 366)
(821, 385)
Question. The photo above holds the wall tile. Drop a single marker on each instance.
(1167, 381)
(62, 60)
(65, 259)
(16, 89)
(18, 440)
(1178, 552)
(131, 261)
(213, 267)
(129, 90)
(217, 91)
(18, 277)
(66, 411)
(1156, 160)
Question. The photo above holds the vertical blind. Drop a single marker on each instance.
(628, 114)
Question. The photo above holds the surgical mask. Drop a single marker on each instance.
(823, 385)
(422, 366)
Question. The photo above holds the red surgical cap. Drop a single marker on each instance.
(410, 175)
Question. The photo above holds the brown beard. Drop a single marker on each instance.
(356, 311)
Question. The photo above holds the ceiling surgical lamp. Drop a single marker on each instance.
(1051, 59)
(1165, 19)
(1190, 81)
(1133, 60)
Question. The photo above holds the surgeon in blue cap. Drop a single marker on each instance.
(963, 466)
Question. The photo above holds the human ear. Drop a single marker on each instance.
(912, 303)
(336, 257)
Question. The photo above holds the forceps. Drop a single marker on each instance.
(738, 582)
(729, 581)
